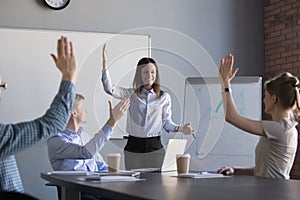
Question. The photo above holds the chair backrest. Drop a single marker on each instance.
(58, 188)
(4, 195)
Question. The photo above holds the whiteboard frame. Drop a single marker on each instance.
(216, 81)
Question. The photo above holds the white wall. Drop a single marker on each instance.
(180, 32)
(39, 77)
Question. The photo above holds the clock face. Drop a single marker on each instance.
(57, 4)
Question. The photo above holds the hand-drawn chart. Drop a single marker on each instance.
(216, 142)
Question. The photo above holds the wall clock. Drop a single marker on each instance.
(57, 4)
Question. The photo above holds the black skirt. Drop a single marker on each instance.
(143, 145)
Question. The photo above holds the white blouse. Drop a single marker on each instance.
(147, 115)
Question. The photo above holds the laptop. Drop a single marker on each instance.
(175, 146)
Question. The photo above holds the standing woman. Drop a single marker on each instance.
(149, 113)
(276, 149)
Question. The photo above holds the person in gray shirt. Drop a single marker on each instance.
(276, 149)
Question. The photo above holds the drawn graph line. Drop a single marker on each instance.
(210, 117)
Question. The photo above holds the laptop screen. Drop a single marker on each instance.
(175, 146)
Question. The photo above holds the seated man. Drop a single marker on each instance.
(67, 152)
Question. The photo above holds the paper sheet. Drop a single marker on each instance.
(68, 173)
(112, 178)
(197, 175)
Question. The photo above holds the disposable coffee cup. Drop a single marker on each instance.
(113, 160)
(183, 163)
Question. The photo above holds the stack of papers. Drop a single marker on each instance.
(203, 175)
(120, 176)
(84, 173)
(68, 173)
(119, 173)
(113, 178)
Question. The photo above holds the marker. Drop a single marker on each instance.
(193, 135)
(211, 171)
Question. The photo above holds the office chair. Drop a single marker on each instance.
(5, 195)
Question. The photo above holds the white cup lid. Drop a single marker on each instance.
(186, 155)
(113, 155)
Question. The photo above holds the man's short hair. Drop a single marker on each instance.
(78, 98)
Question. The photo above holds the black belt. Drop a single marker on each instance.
(143, 145)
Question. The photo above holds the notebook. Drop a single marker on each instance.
(112, 178)
(175, 146)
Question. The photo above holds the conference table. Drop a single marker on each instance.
(167, 186)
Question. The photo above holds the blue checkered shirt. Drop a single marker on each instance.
(67, 151)
(16, 137)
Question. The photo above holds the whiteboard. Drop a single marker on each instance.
(33, 79)
(217, 143)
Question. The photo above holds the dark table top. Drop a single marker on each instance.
(168, 186)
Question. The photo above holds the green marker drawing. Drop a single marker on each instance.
(218, 107)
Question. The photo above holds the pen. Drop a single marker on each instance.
(208, 172)
(193, 135)
(211, 171)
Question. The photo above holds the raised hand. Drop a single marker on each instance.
(104, 57)
(117, 112)
(226, 71)
(65, 60)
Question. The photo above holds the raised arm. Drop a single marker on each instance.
(60, 148)
(16, 137)
(116, 113)
(104, 58)
(227, 73)
(109, 88)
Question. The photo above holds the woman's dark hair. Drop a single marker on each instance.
(285, 87)
(137, 81)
